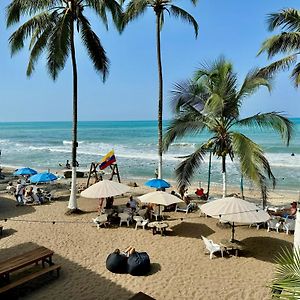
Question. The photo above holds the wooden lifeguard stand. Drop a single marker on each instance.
(98, 175)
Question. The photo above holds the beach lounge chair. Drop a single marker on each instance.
(184, 207)
(141, 223)
(273, 224)
(124, 218)
(101, 220)
(211, 247)
(289, 225)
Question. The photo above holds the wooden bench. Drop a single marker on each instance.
(30, 277)
(33, 257)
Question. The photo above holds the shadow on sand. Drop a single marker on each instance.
(191, 230)
(8, 209)
(74, 280)
(264, 248)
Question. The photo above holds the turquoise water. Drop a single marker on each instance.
(44, 145)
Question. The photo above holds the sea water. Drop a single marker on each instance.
(47, 145)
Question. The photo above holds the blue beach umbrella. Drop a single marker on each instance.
(42, 177)
(25, 171)
(157, 183)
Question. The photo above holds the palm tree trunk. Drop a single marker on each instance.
(160, 94)
(224, 176)
(73, 201)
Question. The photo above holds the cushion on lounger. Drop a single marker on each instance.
(116, 263)
(138, 263)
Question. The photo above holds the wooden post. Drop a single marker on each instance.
(114, 171)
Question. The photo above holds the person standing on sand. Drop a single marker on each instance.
(19, 192)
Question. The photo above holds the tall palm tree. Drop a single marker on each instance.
(211, 102)
(136, 8)
(287, 42)
(51, 29)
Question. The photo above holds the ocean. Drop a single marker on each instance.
(45, 145)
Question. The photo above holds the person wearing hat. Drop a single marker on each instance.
(19, 192)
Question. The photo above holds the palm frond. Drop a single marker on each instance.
(188, 92)
(134, 9)
(37, 48)
(287, 275)
(94, 47)
(189, 123)
(17, 39)
(285, 42)
(18, 8)
(273, 120)
(59, 45)
(286, 19)
(194, 2)
(280, 65)
(186, 169)
(296, 75)
(253, 81)
(112, 6)
(252, 161)
(185, 16)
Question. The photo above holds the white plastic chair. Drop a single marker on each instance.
(141, 223)
(124, 218)
(289, 225)
(184, 207)
(211, 247)
(142, 212)
(273, 224)
(100, 220)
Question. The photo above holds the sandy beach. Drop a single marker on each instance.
(181, 268)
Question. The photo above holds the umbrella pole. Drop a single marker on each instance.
(232, 234)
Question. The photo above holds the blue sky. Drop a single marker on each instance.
(232, 28)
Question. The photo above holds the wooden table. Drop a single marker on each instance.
(33, 257)
(235, 245)
(158, 226)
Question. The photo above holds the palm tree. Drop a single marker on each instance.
(51, 29)
(136, 8)
(287, 42)
(286, 284)
(211, 102)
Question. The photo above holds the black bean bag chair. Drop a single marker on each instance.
(138, 264)
(116, 263)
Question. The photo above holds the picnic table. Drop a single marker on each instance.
(158, 226)
(34, 257)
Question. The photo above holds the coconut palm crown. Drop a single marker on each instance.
(211, 101)
(134, 9)
(50, 26)
(286, 42)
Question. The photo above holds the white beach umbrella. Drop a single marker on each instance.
(159, 197)
(232, 209)
(104, 189)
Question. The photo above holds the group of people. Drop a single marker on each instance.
(25, 195)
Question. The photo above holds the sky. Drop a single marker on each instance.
(235, 29)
